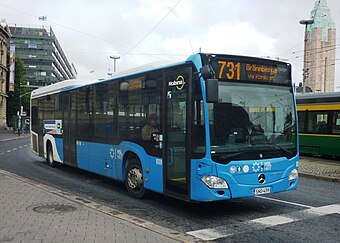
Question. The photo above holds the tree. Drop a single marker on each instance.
(13, 101)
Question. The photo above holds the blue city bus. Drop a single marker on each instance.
(213, 127)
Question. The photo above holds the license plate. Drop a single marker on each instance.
(263, 190)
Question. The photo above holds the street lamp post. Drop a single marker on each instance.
(115, 58)
(305, 71)
(20, 112)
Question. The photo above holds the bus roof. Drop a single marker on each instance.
(58, 87)
(74, 83)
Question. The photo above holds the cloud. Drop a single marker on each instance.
(237, 38)
(256, 28)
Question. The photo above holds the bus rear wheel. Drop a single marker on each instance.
(50, 159)
(134, 178)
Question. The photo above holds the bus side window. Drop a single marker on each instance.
(104, 113)
(34, 115)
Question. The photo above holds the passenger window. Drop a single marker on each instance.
(336, 123)
(317, 122)
(302, 119)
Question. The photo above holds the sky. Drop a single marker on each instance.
(145, 31)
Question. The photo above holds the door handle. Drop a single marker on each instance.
(171, 156)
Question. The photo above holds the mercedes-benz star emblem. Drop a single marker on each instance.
(261, 178)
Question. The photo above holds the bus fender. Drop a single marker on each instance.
(48, 138)
(130, 149)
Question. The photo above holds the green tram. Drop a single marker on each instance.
(319, 123)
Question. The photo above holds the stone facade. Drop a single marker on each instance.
(4, 35)
(320, 50)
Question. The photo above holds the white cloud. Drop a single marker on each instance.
(268, 28)
(237, 38)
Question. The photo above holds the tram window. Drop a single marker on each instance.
(302, 119)
(317, 122)
(336, 122)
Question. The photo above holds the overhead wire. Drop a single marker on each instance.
(99, 38)
(140, 41)
(317, 48)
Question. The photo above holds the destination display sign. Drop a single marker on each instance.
(247, 69)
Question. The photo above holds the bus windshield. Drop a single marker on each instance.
(252, 120)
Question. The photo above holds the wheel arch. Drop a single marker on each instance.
(127, 156)
(51, 140)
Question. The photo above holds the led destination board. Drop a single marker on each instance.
(232, 68)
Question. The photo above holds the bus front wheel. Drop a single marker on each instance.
(134, 178)
(50, 159)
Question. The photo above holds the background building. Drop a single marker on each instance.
(320, 50)
(45, 61)
(4, 35)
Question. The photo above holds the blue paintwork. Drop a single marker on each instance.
(59, 142)
(108, 160)
(242, 182)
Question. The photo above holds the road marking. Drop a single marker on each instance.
(273, 220)
(14, 149)
(286, 202)
(264, 222)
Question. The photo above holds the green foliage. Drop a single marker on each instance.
(13, 101)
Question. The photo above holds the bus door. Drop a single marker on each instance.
(177, 131)
(69, 127)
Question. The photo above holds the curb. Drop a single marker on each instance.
(171, 234)
(320, 177)
(14, 138)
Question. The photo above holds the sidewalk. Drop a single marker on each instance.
(31, 212)
(319, 168)
(6, 135)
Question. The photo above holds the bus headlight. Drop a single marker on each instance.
(214, 182)
(293, 175)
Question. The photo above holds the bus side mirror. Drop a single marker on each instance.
(211, 86)
(207, 72)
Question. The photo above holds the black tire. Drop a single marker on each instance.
(134, 178)
(50, 159)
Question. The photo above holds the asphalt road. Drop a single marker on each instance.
(309, 214)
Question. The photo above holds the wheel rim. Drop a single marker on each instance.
(135, 178)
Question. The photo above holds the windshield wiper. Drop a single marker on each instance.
(290, 153)
(230, 156)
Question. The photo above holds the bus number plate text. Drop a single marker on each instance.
(261, 191)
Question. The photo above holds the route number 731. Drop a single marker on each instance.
(231, 69)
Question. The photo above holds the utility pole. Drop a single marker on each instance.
(325, 76)
(20, 110)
